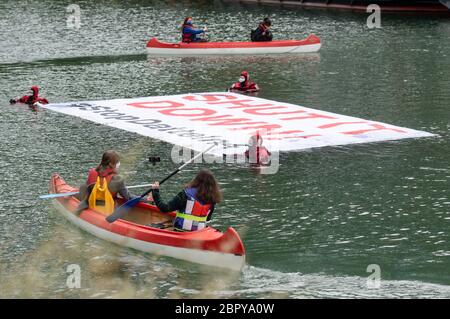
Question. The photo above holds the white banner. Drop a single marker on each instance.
(197, 120)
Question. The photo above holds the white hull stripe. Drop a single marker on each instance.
(309, 48)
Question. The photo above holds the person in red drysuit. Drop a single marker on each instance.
(256, 153)
(244, 84)
(30, 99)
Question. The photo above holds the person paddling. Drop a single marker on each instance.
(257, 154)
(190, 33)
(244, 84)
(194, 205)
(262, 32)
(30, 99)
(103, 185)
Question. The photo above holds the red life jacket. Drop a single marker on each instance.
(260, 155)
(27, 99)
(31, 99)
(186, 37)
(24, 99)
(108, 173)
(263, 27)
(245, 86)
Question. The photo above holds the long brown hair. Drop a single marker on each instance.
(109, 160)
(184, 22)
(208, 190)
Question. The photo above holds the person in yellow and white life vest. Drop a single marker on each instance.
(195, 204)
(103, 185)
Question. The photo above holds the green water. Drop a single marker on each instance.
(310, 231)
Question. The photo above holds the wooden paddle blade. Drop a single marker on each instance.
(120, 211)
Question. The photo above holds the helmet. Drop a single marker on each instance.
(188, 20)
(267, 22)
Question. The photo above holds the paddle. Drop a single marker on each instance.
(50, 196)
(120, 211)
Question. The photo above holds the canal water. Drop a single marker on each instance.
(311, 231)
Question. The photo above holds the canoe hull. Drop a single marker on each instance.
(309, 45)
(222, 250)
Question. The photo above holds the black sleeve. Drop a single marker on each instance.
(211, 212)
(178, 202)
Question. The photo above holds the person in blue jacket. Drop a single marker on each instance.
(190, 33)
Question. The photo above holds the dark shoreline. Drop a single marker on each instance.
(430, 6)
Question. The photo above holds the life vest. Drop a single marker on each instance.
(263, 27)
(258, 155)
(35, 97)
(31, 99)
(187, 37)
(257, 34)
(245, 86)
(101, 199)
(194, 215)
(27, 99)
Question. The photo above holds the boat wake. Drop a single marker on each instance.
(260, 282)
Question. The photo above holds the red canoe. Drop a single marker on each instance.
(310, 44)
(208, 246)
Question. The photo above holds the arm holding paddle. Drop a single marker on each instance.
(175, 204)
(120, 211)
(57, 195)
(93, 193)
(189, 33)
(178, 202)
